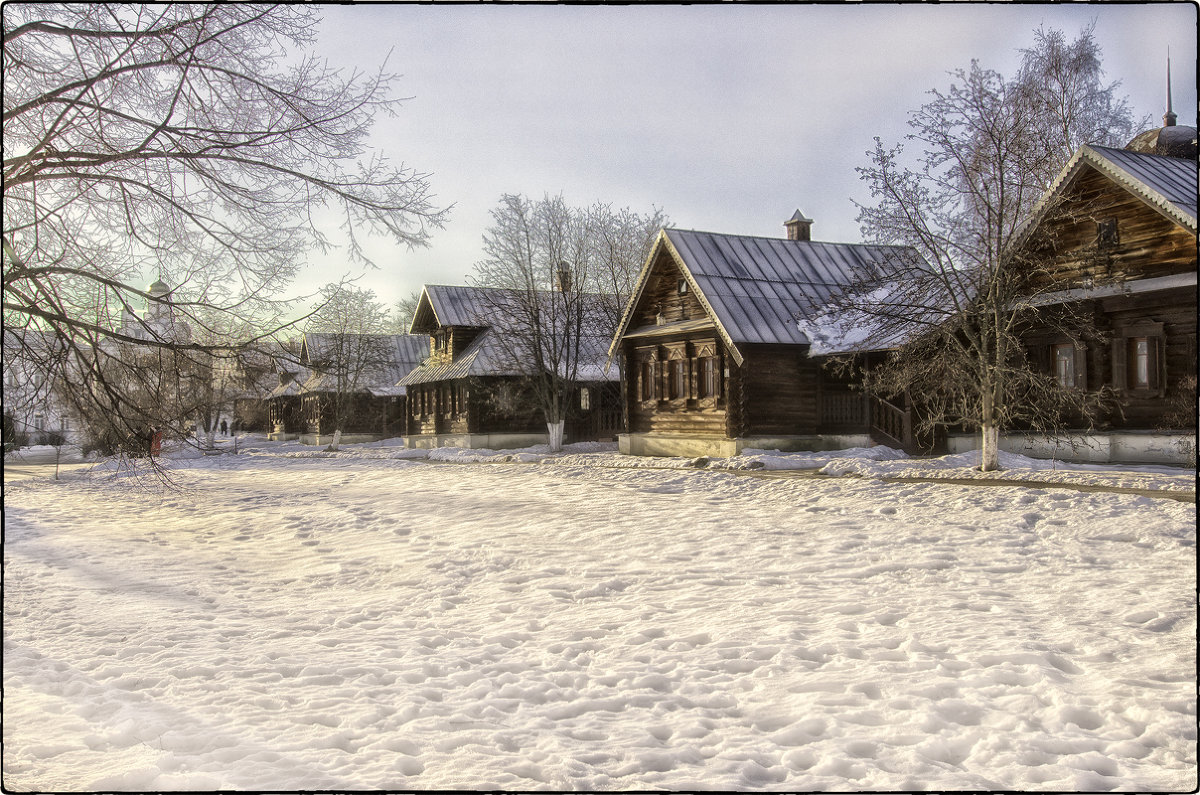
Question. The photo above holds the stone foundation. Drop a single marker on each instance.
(347, 438)
(476, 441)
(672, 445)
(1112, 447)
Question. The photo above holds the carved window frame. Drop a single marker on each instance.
(647, 376)
(1125, 359)
(675, 386)
(709, 393)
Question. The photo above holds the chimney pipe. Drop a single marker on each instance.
(799, 227)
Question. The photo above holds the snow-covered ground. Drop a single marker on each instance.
(380, 618)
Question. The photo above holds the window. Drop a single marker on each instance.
(648, 390)
(710, 384)
(1138, 358)
(681, 287)
(1142, 362)
(585, 399)
(1064, 365)
(1107, 234)
(678, 379)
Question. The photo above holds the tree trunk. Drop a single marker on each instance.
(556, 435)
(337, 438)
(989, 451)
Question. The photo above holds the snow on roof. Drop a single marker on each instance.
(393, 356)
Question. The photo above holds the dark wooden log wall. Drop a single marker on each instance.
(1169, 316)
(782, 390)
(1148, 245)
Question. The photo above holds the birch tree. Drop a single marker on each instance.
(196, 143)
(989, 147)
(564, 274)
(349, 347)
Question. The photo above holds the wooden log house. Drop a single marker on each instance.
(713, 356)
(356, 374)
(1118, 230)
(467, 392)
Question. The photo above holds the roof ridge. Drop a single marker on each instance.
(1131, 153)
(785, 240)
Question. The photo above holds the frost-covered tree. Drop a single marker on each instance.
(988, 149)
(348, 347)
(564, 275)
(196, 143)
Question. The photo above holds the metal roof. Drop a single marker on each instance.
(1163, 179)
(757, 288)
(454, 305)
(486, 355)
(480, 358)
(398, 354)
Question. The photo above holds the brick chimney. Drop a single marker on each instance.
(799, 227)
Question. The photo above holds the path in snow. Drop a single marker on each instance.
(333, 623)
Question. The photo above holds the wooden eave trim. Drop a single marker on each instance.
(425, 299)
(664, 242)
(738, 358)
(635, 297)
(1150, 197)
(304, 356)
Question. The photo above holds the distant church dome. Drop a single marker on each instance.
(1172, 140)
(158, 288)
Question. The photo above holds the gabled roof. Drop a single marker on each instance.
(397, 355)
(485, 307)
(1168, 184)
(444, 305)
(480, 358)
(755, 289)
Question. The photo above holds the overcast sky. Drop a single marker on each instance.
(728, 117)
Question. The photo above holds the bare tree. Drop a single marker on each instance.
(403, 312)
(989, 148)
(1063, 84)
(537, 255)
(563, 275)
(349, 350)
(193, 142)
(621, 241)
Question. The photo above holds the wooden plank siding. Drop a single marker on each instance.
(1141, 244)
(661, 301)
(1147, 243)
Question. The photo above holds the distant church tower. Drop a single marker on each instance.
(158, 308)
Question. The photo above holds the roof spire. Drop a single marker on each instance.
(1169, 118)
